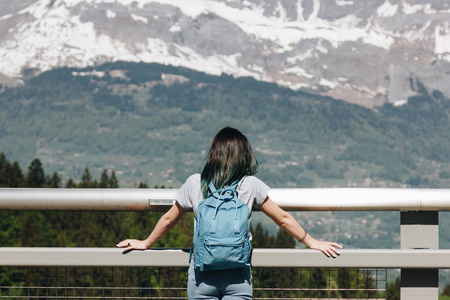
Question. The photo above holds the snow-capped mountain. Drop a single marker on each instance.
(363, 51)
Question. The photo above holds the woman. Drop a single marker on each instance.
(229, 159)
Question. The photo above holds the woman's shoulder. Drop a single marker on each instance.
(252, 181)
(195, 176)
(193, 179)
(255, 189)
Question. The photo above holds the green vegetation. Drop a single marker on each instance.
(151, 122)
(64, 228)
(78, 229)
(445, 294)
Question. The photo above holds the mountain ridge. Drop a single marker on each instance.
(362, 52)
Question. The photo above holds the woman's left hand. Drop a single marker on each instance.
(131, 244)
(330, 249)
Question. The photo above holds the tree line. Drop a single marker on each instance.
(105, 229)
(11, 175)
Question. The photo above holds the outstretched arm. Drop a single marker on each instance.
(165, 223)
(286, 221)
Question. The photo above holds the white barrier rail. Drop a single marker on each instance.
(110, 257)
(330, 199)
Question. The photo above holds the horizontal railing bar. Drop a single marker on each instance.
(112, 257)
(87, 199)
(317, 199)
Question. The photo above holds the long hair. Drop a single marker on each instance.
(229, 159)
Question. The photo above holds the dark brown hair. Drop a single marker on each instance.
(229, 159)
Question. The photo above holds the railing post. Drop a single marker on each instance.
(419, 230)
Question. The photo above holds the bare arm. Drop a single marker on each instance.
(286, 221)
(165, 223)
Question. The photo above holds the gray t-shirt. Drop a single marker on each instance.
(251, 191)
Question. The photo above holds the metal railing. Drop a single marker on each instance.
(419, 259)
(268, 258)
(170, 283)
(331, 199)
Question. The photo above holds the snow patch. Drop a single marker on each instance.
(442, 39)
(175, 28)
(297, 71)
(347, 22)
(400, 102)
(417, 34)
(281, 11)
(301, 57)
(387, 10)
(327, 83)
(322, 49)
(344, 2)
(299, 11)
(256, 69)
(294, 86)
(110, 14)
(316, 9)
(92, 73)
(157, 47)
(215, 65)
(378, 39)
(139, 18)
(6, 17)
(57, 41)
(410, 9)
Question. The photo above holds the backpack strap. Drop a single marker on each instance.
(219, 196)
(213, 190)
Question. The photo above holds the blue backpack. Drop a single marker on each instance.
(222, 230)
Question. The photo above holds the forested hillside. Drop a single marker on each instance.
(153, 123)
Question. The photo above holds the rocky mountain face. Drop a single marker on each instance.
(367, 52)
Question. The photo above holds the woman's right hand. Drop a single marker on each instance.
(131, 244)
(330, 249)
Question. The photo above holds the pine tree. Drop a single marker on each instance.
(10, 175)
(5, 167)
(70, 184)
(36, 175)
(393, 290)
(113, 182)
(261, 238)
(31, 234)
(142, 185)
(86, 180)
(54, 181)
(284, 240)
(16, 176)
(446, 291)
(104, 180)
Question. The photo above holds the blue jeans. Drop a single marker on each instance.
(220, 284)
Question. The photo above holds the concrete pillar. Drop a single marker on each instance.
(419, 230)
